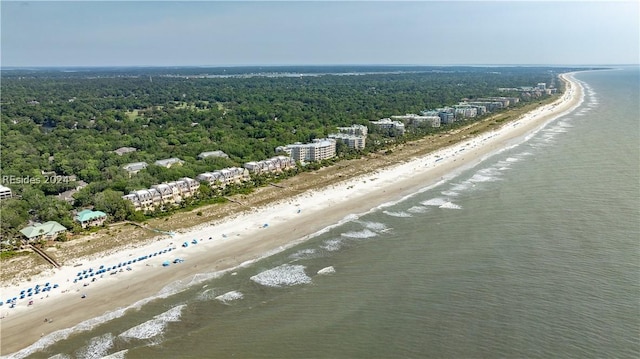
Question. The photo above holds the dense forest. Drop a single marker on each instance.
(69, 121)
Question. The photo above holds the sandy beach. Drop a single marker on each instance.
(84, 290)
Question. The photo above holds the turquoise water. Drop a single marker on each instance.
(533, 253)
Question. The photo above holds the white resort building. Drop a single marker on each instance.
(318, 150)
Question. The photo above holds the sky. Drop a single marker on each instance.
(217, 33)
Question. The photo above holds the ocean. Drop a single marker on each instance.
(532, 253)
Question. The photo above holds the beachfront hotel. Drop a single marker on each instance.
(318, 150)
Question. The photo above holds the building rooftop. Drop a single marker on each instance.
(122, 150)
(168, 162)
(45, 229)
(213, 154)
(87, 215)
(135, 166)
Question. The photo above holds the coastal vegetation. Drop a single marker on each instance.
(69, 123)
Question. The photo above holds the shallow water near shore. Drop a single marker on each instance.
(532, 253)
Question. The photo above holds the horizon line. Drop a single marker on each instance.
(305, 65)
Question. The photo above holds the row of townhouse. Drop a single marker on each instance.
(274, 164)
(163, 194)
(318, 150)
(174, 192)
(224, 176)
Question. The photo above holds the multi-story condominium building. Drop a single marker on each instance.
(318, 150)
(417, 120)
(356, 130)
(387, 123)
(465, 111)
(352, 141)
(490, 106)
(5, 192)
(274, 164)
(446, 117)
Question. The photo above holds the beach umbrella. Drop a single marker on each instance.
(165, 263)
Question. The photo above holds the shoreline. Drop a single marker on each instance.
(243, 238)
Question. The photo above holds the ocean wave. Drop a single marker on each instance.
(97, 347)
(397, 214)
(450, 205)
(478, 178)
(417, 209)
(281, 276)
(230, 296)
(305, 254)
(155, 326)
(374, 226)
(332, 245)
(365, 233)
(437, 202)
(327, 270)
(63, 334)
(208, 294)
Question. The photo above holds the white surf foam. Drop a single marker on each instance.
(332, 245)
(281, 276)
(155, 326)
(365, 233)
(478, 178)
(450, 205)
(207, 294)
(417, 209)
(438, 201)
(327, 270)
(374, 226)
(397, 214)
(97, 347)
(230, 296)
(305, 254)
